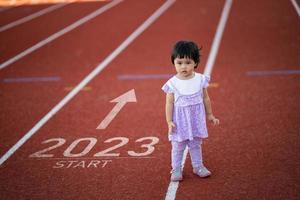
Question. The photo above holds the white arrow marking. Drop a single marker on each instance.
(121, 101)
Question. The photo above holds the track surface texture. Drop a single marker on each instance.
(253, 153)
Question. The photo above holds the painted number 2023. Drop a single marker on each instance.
(147, 144)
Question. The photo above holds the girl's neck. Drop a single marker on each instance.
(185, 77)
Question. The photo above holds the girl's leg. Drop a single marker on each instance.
(177, 154)
(195, 151)
(196, 157)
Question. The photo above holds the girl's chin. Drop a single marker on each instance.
(186, 74)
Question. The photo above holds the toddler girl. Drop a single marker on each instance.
(187, 102)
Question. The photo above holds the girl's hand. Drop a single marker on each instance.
(171, 125)
(214, 120)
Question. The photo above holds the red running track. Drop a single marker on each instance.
(19, 38)
(14, 13)
(252, 154)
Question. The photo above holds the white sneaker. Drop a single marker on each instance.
(202, 172)
(176, 175)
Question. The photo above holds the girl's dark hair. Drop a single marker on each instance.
(186, 49)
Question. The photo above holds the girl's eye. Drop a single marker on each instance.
(188, 63)
(179, 63)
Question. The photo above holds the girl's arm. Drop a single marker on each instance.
(208, 109)
(169, 111)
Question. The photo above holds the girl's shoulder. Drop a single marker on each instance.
(168, 87)
(203, 76)
(205, 79)
(200, 76)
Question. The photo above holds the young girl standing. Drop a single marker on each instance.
(187, 103)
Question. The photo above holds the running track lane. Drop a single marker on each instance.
(71, 58)
(254, 152)
(18, 12)
(125, 177)
(14, 41)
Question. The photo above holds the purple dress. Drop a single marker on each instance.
(188, 112)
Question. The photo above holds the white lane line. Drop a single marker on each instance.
(88, 78)
(296, 6)
(217, 39)
(60, 33)
(173, 186)
(32, 16)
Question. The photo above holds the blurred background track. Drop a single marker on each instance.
(253, 154)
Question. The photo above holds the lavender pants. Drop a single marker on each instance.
(195, 152)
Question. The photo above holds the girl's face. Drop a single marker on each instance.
(184, 67)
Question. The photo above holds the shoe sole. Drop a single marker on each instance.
(206, 176)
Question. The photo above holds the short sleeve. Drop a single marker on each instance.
(206, 81)
(167, 89)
